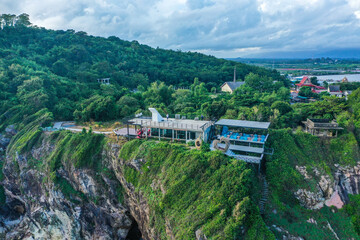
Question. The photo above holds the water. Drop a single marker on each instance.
(338, 78)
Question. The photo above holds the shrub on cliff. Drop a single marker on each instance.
(190, 190)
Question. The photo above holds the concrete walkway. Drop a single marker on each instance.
(59, 126)
(123, 131)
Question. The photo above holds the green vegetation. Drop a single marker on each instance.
(298, 149)
(2, 190)
(194, 190)
(295, 220)
(353, 209)
(307, 92)
(30, 132)
(58, 70)
(80, 150)
(69, 192)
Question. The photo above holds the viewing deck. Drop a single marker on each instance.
(243, 148)
(243, 157)
(242, 140)
(246, 138)
(174, 124)
(322, 127)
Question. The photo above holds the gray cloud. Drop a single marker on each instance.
(224, 28)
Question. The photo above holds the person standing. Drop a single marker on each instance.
(167, 117)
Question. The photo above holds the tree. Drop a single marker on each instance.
(214, 110)
(61, 67)
(7, 20)
(158, 93)
(259, 83)
(127, 105)
(326, 84)
(314, 80)
(23, 20)
(283, 107)
(307, 92)
(64, 109)
(96, 108)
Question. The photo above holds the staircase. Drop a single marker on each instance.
(230, 153)
(264, 196)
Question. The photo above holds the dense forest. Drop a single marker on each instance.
(59, 70)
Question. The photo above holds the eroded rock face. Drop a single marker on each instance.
(310, 199)
(331, 191)
(347, 180)
(200, 235)
(5, 137)
(135, 201)
(36, 209)
(285, 234)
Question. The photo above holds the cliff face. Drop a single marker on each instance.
(331, 190)
(36, 208)
(134, 200)
(162, 186)
(311, 180)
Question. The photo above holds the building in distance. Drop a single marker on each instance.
(306, 82)
(231, 86)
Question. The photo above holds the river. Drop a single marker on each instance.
(338, 78)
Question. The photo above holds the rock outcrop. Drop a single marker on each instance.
(331, 190)
(35, 207)
(134, 200)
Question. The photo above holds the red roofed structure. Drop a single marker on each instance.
(305, 82)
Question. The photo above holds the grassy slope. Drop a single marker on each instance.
(302, 149)
(203, 190)
(81, 150)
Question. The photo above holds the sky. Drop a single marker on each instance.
(222, 28)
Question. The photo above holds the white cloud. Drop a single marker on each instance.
(217, 27)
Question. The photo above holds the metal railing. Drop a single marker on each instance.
(170, 125)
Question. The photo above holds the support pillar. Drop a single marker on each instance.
(128, 131)
(159, 134)
(259, 166)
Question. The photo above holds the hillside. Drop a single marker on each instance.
(307, 172)
(59, 70)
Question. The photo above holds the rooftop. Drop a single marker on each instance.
(243, 124)
(334, 88)
(322, 124)
(172, 123)
(234, 85)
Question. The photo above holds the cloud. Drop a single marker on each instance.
(216, 27)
